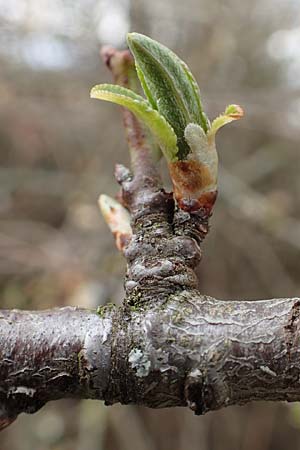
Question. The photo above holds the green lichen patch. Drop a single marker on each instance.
(105, 309)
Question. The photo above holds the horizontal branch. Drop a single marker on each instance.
(189, 350)
(48, 355)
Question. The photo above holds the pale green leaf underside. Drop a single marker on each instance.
(157, 124)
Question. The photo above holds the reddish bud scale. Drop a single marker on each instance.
(191, 181)
(121, 240)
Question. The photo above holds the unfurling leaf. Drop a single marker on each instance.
(231, 113)
(173, 113)
(158, 125)
(169, 86)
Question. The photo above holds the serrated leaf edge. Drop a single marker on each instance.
(231, 113)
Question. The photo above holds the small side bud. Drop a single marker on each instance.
(118, 220)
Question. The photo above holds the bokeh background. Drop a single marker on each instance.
(58, 150)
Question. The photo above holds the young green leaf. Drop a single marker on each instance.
(231, 113)
(145, 87)
(157, 124)
(174, 91)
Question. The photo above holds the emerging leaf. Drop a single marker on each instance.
(169, 86)
(142, 109)
(231, 113)
(145, 87)
(173, 113)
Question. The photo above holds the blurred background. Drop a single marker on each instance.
(58, 150)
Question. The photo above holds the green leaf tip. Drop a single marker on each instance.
(157, 124)
(169, 86)
(231, 113)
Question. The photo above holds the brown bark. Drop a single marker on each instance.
(188, 350)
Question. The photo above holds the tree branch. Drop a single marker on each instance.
(49, 355)
(167, 345)
(190, 350)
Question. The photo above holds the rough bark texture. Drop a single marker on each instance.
(49, 355)
(185, 350)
